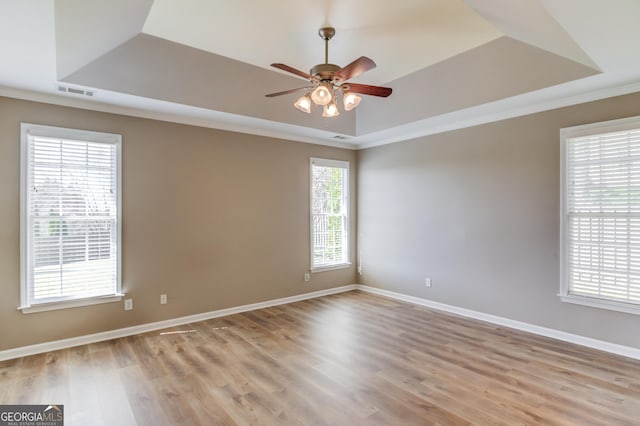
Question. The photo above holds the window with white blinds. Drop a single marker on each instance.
(601, 217)
(70, 215)
(329, 213)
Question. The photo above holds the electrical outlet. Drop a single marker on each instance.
(163, 299)
(427, 282)
(307, 276)
(128, 304)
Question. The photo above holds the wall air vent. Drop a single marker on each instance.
(76, 91)
(341, 137)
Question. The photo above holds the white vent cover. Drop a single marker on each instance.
(76, 91)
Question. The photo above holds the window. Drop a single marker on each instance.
(329, 214)
(70, 218)
(601, 215)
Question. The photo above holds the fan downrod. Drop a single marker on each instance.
(324, 72)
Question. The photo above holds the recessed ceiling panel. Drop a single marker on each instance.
(408, 36)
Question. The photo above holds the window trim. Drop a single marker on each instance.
(344, 165)
(27, 305)
(623, 124)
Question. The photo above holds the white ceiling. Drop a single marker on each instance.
(452, 63)
(409, 36)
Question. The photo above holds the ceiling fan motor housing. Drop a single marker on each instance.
(324, 72)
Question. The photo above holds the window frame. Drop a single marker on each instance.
(27, 304)
(592, 129)
(324, 162)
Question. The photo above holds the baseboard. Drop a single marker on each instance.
(613, 348)
(144, 328)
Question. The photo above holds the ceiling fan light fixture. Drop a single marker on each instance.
(350, 101)
(322, 95)
(303, 104)
(330, 81)
(331, 110)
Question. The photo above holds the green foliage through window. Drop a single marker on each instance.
(329, 213)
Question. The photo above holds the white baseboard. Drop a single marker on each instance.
(518, 325)
(144, 328)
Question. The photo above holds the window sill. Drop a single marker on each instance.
(330, 267)
(73, 303)
(611, 305)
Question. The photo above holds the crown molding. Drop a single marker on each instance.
(503, 109)
(185, 114)
(516, 106)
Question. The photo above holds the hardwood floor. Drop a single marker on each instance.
(347, 359)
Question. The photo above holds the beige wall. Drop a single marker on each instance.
(477, 210)
(214, 219)
(218, 219)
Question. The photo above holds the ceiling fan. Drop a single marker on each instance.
(329, 80)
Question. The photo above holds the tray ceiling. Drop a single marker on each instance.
(207, 62)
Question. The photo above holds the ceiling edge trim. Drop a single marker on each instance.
(487, 113)
(469, 117)
(60, 100)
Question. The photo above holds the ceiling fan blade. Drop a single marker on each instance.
(286, 92)
(287, 68)
(355, 68)
(365, 89)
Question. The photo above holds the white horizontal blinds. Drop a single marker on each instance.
(603, 206)
(329, 212)
(72, 218)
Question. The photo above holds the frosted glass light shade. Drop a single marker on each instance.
(350, 100)
(321, 95)
(331, 110)
(303, 104)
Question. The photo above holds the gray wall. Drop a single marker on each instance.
(478, 211)
(214, 219)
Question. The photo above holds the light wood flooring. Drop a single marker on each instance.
(346, 359)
